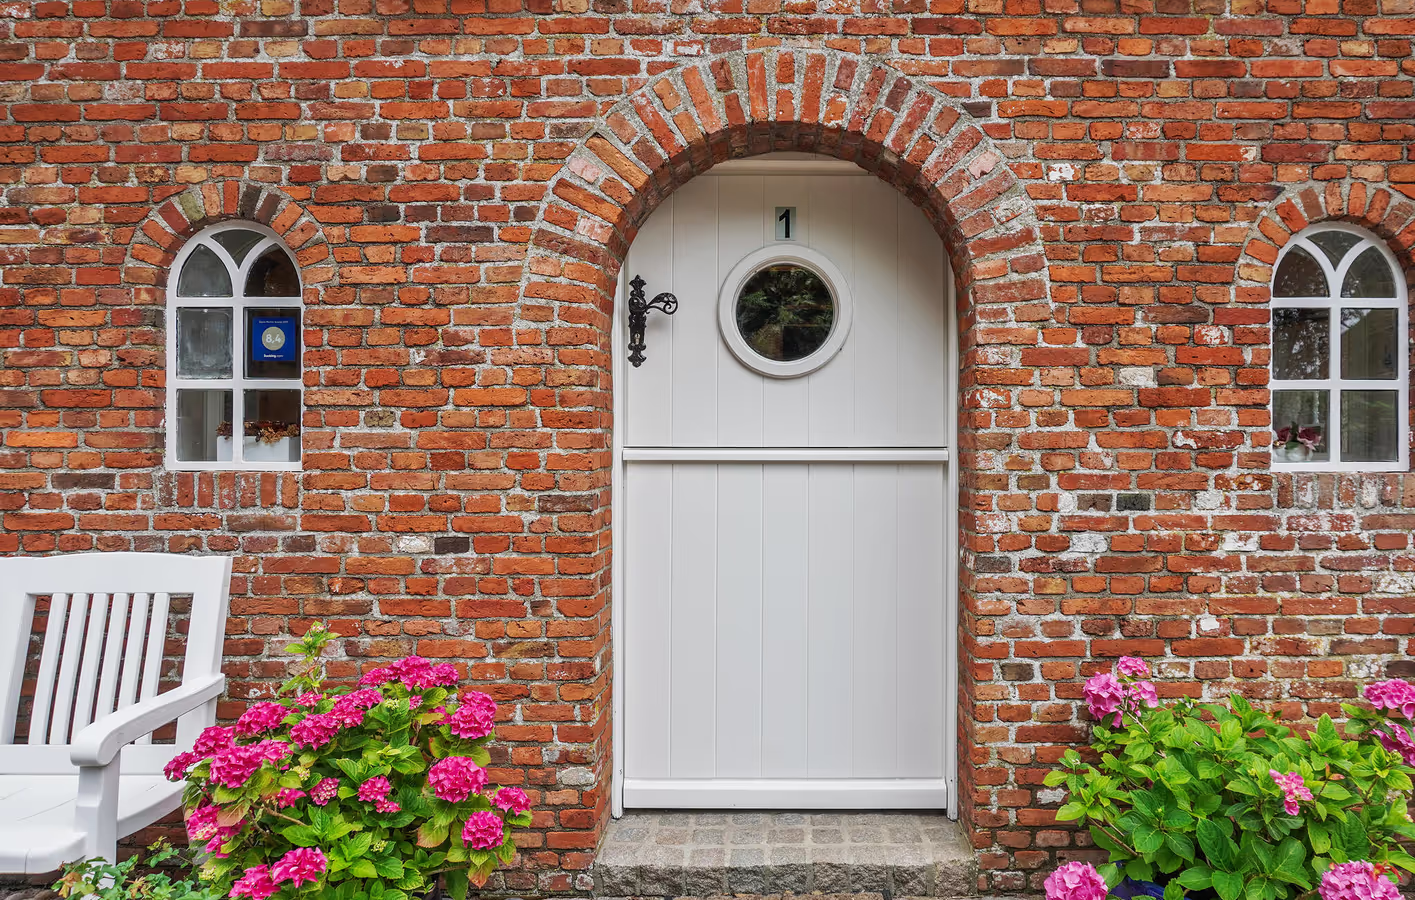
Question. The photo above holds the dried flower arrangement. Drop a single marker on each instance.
(266, 431)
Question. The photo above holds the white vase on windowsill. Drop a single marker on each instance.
(1296, 454)
(255, 450)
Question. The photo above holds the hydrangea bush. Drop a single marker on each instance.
(368, 792)
(1221, 799)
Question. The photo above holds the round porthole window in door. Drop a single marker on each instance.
(785, 311)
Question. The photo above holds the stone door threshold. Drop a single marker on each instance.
(700, 854)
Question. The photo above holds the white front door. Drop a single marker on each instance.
(783, 499)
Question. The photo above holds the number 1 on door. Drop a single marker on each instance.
(786, 223)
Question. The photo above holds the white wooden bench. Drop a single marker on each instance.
(88, 772)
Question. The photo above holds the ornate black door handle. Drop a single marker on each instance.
(639, 313)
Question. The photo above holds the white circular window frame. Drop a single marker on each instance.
(790, 254)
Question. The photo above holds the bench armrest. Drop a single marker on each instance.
(98, 743)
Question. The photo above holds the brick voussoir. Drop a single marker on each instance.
(864, 100)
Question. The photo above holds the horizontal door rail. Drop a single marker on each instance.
(788, 454)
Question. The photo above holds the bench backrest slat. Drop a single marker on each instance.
(105, 638)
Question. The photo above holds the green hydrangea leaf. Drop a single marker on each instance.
(1229, 885)
(1196, 878)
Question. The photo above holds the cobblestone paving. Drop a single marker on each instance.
(16, 892)
(706, 854)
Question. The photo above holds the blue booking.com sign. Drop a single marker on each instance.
(273, 339)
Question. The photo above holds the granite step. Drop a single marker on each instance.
(676, 854)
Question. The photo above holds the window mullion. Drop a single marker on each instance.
(1334, 393)
(238, 371)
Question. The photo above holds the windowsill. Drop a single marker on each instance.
(224, 466)
(1341, 468)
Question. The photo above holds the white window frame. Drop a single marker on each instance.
(1334, 384)
(239, 382)
(788, 254)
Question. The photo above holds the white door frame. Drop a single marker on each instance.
(783, 164)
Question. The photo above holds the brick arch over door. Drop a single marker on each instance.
(744, 104)
(685, 121)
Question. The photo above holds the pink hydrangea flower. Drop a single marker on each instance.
(375, 789)
(349, 709)
(289, 797)
(1356, 881)
(387, 806)
(411, 670)
(260, 718)
(375, 677)
(274, 750)
(417, 674)
(474, 717)
(178, 766)
(1075, 881)
(309, 699)
(1132, 667)
(1397, 741)
(203, 823)
(303, 865)
(212, 740)
(256, 884)
(363, 698)
(325, 791)
(315, 730)
(513, 800)
(234, 766)
(1394, 695)
(1292, 788)
(483, 831)
(1142, 692)
(1105, 696)
(456, 778)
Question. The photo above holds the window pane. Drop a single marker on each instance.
(1299, 275)
(273, 275)
(237, 242)
(272, 343)
(272, 421)
(1301, 343)
(204, 275)
(1368, 426)
(1335, 244)
(785, 312)
(1369, 276)
(204, 343)
(1300, 426)
(203, 425)
(1369, 343)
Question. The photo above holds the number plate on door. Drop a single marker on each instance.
(786, 223)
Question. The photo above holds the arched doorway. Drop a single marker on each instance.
(740, 105)
(784, 505)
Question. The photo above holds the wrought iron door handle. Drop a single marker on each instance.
(639, 313)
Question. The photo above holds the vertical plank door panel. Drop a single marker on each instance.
(784, 617)
(739, 635)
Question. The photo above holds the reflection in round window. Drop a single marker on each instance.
(785, 312)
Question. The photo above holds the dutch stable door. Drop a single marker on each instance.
(784, 499)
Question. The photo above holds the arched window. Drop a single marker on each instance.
(233, 352)
(1340, 358)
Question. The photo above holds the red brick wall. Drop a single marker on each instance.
(1113, 181)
